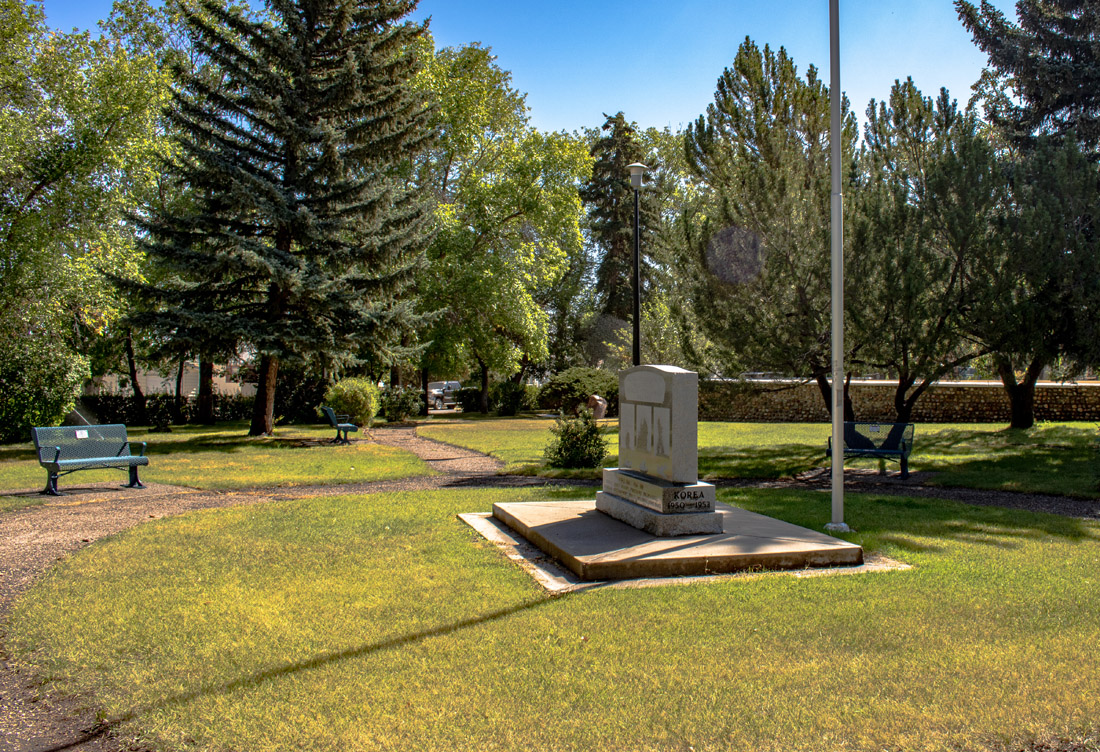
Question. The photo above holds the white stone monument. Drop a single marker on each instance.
(656, 487)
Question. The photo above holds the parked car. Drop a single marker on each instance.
(443, 394)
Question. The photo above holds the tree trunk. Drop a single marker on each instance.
(1021, 396)
(484, 386)
(206, 391)
(424, 388)
(178, 405)
(826, 390)
(141, 413)
(263, 412)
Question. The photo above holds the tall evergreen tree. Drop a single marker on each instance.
(609, 200)
(760, 242)
(302, 235)
(1051, 60)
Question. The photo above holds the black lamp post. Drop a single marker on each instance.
(636, 171)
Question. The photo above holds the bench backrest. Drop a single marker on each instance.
(331, 415)
(84, 442)
(886, 436)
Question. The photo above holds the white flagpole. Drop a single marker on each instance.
(837, 273)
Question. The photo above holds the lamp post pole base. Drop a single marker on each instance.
(838, 527)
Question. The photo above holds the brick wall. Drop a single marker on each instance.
(945, 402)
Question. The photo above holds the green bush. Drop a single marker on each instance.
(573, 386)
(508, 397)
(357, 398)
(39, 384)
(577, 442)
(469, 399)
(401, 402)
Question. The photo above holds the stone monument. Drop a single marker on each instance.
(656, 487)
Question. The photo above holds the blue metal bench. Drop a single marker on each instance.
(890, 441)
(341, 424)
(66, 449)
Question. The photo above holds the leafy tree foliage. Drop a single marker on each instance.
(1038, 300)
(921, 227)
(760, 244)
(1052, 62)
(507, 217)
(302, 235)
(78, 145)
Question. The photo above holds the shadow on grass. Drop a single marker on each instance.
(780, 461)
(320, 661)
(924, 525)
(1045, 459)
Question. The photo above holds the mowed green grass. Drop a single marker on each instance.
(383, 622)
(1058, 458)
(225, 458)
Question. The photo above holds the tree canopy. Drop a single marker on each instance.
(302, 233)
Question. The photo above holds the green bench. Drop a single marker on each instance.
(67, 449)
(340, 423)
(887, 441)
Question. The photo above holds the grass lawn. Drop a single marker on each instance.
(224, 458)
(382, 622)
(1049, 458)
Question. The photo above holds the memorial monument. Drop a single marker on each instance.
(656, 487)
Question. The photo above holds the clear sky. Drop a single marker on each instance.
(658, 60)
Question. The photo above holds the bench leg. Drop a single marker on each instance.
(904, 468)
(51, 485)
(135, 482)
(343, 439)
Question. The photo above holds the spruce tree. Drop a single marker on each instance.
(302, 234)
(1051, 60)
(609, 200)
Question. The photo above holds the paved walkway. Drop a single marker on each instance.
(32, 719)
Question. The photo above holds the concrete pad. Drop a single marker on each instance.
(596, 547)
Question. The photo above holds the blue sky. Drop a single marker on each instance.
(658, 60)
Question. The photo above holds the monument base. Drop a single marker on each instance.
(656, 523)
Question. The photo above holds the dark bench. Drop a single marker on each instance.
(888, 441)
(340, 423)
(66, 449)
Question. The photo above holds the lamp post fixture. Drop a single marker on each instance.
(636, 171)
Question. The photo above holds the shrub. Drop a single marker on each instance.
(508, 397)
(401, 402)
(160, 409)
(39, 384)
(470, 399)
(573, 386)
(577, 442)
(357, 398)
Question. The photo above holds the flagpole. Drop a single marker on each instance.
(837, 523)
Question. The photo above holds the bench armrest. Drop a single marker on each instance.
(132, 443)
(56, 453)
(343, 418)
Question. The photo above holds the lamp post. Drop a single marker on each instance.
(636, 171)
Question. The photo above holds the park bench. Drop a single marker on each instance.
(885, 441)
(66, 449)
(340, 423)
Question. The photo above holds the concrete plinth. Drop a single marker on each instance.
(657, 523)
(596, 547)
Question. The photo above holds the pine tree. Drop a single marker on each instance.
(302, 235)
(1051, 60)
(609, 200)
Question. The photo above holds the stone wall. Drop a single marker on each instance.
(945, 402)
